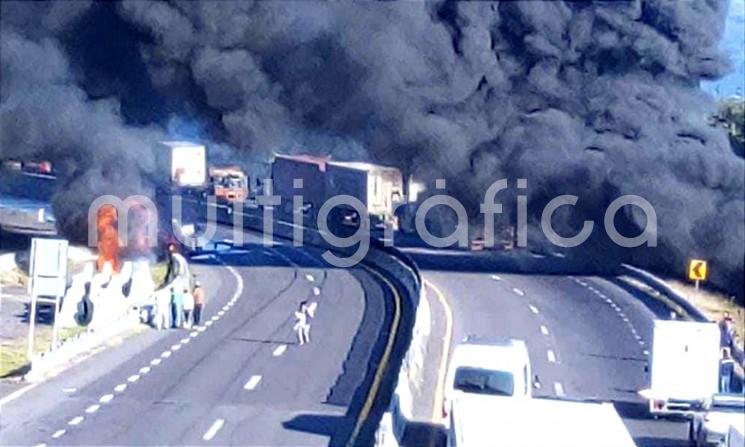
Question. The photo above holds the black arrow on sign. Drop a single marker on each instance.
(696, 270)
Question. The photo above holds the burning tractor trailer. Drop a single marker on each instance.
(319, 180)
(185, 164)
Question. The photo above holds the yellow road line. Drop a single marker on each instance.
(373, 392)
(446, 341)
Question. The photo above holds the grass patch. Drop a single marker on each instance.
(14, 278)
(13, 353)
(158, 272)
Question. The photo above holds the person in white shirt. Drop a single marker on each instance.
(303, 316)
(188, 306)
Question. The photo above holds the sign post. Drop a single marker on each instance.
(48, 278)
(697, 271)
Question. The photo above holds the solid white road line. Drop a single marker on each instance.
(92, 409)
(120, 388)
(558, 389)
(551, 356)
(106, 398)
(133, 378)
(279, 351)
(518, 291)
(216, 426)
(155, 362)
(76, 420)
(533, 308)
(252, 383)
(544, 330)
(58, 434)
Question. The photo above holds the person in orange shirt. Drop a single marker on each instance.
(198, 294)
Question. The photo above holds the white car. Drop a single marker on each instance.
(499, 368)
(710, 427)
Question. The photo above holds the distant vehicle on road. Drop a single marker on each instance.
(499, 369)
(228, 184)
(483, 421)
(684, 363)
(379, 188)
(181, 171)
(713, 425)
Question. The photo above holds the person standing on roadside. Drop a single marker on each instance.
(198, 302)
(188, 306)
(726, 371)
(177, 310)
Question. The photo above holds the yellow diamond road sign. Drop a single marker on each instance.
(697, 270)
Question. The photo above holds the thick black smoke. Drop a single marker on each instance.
(596, 99)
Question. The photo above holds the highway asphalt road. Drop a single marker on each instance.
(241, 380)
(588, 336)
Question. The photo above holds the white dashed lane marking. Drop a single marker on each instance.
(533, 308)
(551, 356)
(58, 434)
(76, 420)
(92, 409)
(155, 362)
(193, 334)
(216, 426)
(133, 378)
(252, 383)
(166, 354)
(106, 398)
(544, 330)
(209, 323)
(310, 278)
(518, 291)
(316, 291)
(144, 370)
(279, 351)
(558, 389)
(120, 388)
(496, 277)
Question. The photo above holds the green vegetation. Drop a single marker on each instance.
(158, 272)
(13, 359)
(731, 116)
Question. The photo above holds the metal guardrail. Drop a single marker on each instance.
(659, 285)
(693, 312)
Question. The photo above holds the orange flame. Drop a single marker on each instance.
(108, 238)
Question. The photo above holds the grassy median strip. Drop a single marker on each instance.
(13, 352)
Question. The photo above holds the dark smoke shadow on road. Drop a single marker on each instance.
(518, 261)
(658, 307)
(337, 428)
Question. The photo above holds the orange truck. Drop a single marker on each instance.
(229, 183)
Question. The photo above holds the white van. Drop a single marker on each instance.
(498, 368)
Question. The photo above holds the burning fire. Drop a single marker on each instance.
(108, 238)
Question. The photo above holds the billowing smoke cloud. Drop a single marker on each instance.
(596, 99)
(45, 114)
